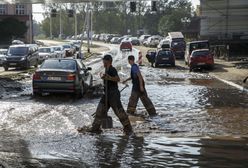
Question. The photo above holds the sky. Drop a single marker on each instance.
(37, 10)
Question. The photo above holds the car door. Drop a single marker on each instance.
(86, 74)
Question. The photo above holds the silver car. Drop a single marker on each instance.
(46, 53)
(59, 51)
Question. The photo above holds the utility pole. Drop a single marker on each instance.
(75, 21)
(91, 25)
(60, 23)
(88, 28)
(51, 31)
(30, 28)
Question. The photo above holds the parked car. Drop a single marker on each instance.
(114, 40)
(46, 53)
(23, 56)
(201, 58)
(69, 50)
(126, 46)
(195, 45)
(3, 53)
(143, 38)
(165, 57)
(60, 53)
(62, 76)
(134, 41)
(17, 42)
(153, 41)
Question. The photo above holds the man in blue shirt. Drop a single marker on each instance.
(138, 90)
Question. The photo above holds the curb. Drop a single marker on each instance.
(239, 87)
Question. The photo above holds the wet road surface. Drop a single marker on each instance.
(202, 122)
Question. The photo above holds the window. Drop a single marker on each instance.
(2, 9)
(20, 9)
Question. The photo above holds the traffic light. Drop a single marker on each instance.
(70, 13)
(133, 6)
(53, 13)
(154, 6)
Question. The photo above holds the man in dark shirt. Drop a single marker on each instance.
(111, 98)
(138, 90)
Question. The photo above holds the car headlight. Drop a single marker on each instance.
(23, 58)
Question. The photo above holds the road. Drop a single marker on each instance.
(202, 122)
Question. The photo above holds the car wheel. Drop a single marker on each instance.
(80, 92)
(6, 68)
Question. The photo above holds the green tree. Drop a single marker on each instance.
(12, 28)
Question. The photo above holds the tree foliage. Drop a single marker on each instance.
(115, 17)
(12, 28)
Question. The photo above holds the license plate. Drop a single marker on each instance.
(54, 78)
(201, 64)
(165, 58)
(12, 64)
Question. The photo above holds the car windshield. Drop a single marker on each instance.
(17, 51)
(66, 46)
(45, 50)
(200, 45)
(57, 48)
(59, 64)
(200, 53)
(164, 53)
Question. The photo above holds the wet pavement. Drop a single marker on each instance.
(202, 122)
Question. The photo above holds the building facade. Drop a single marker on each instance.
(21, 12)
(225, 22)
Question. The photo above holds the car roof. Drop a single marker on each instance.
(20, 45)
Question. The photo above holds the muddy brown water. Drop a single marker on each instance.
(202, 122)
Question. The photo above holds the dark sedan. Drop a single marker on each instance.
(62, 76)
(164, 57)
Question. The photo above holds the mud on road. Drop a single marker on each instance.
(201, 122)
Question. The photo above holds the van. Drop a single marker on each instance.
(21, 56)
(177, 43)
(195, 45)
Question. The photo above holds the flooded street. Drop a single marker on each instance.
(202, 122)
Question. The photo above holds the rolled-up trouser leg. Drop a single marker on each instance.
(115, 104)
(101, 111)
(133, 101)
(146, 101)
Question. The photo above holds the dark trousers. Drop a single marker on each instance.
(146, 101)
(113, 101)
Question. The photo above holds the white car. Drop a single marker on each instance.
(162, 43)
(3, 53)
(46, 53)
(153, 41)
(59, 51)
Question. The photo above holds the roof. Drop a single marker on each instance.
(176, 34)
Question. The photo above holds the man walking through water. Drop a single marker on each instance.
(138, 90)
(111, 98)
